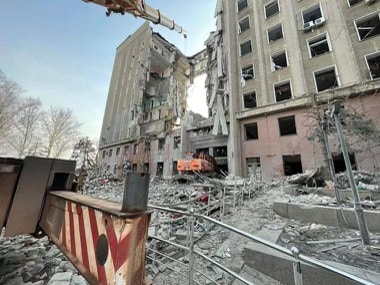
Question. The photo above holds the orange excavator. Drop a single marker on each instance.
(197, 162)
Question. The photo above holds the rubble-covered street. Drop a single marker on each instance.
(248, 206)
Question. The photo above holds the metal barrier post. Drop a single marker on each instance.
(191, 247)
(297, 266)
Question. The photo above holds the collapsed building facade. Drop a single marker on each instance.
(147, 96)
(273, 68)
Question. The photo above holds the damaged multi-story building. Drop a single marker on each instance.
(147, 97)
(273, 68)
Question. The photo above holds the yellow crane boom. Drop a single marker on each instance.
(138, 9)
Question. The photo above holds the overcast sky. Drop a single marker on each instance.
(62, 51)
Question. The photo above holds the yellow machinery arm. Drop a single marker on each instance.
(139, 9)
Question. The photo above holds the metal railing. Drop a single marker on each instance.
(192, 254)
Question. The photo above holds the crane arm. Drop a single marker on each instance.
(139, 9)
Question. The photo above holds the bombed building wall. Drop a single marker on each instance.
(147, 97)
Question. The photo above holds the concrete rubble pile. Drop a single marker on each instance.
(248, 206)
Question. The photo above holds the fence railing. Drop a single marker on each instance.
(192, 217)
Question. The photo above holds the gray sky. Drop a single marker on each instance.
(62, 51)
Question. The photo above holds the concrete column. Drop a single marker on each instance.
(230, 42)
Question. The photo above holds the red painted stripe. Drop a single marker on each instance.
(112, 240)
(72, 234)
(95, 235)
(82, 234)
(141, 232)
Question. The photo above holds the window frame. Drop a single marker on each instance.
(357, 3)
(271, 3)
(250, 93)
(327, 37)
(374, 54)
(242, 9)
(364, 18)
(269, 29)
(248, 67)
(272, 65)
(280, 83)
(283, 119)
(325, 69)
(240, 31)
(245, 131)
(244, 42)
(309, 9)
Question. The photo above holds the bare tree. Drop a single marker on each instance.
(9, 103)
(23, 137)
(85, 152)
(61, 131)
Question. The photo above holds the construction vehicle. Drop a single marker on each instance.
(197, 162)
(104, 240)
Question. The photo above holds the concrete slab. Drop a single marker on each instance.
(329, 216)
(279, 266)
(269, 235)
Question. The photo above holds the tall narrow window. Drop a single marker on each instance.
(161, 144)
(325, 79)
(368, 27)
(373, 62)
(311, 14)
(283, 91)
(244, 24)
(271, 9)
(318, 45)
(275, 33)
(245, 48)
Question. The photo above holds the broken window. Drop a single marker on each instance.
(177, 141)
(245, 48)
(110, 153)
(244, 24)
(340, 165)
(292, 164)
(161, 144)
(135, 149)
(126, 150)
(311, 14)
(283, 91)
(247, 72)
(373, 62)
(242, 4)
(368, 27)
(279, 61)
(354, 2)
(254, 168)
(250, 100)
(271, 9)
(118, 151)
(251, 132)
(104, 154)
(287, 125)
(220, 151)
(326, 79)
(319, 45)
(275, 33)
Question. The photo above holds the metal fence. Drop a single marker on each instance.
(193, 220)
